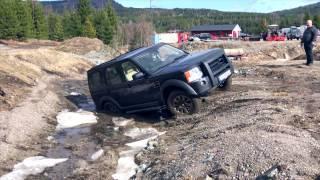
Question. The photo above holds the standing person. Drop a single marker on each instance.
(308, 41)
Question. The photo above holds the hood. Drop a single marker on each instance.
(193, 59)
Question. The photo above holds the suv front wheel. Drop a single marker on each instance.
(180, 103)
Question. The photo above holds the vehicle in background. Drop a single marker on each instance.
(194, 38)
(157, 78)
(205, 36)
(274, 34)
(294, 33)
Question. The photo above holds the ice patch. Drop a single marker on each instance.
(126, 165)
(122, 121)
(141, 132)
(97, 155)
(31, 166)
(75, 94)
(68, 119)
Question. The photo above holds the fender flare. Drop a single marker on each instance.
(177, 84)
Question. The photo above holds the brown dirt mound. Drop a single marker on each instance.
(22, 68)
(81, 45)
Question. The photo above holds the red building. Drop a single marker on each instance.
(224, 30)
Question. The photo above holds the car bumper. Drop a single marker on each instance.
(215, 76)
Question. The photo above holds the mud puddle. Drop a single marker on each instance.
(88, 146)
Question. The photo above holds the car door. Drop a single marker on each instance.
(116, 84)
(139, 93)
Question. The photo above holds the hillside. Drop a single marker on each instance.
(313, 9)
(60, 6)
(184, 19)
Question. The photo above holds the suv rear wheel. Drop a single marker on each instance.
(180, 103)
(226, 85)
(111, 107)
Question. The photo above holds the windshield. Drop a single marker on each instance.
(156, 58)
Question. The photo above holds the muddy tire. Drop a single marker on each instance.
(180, 103)
(111, 107)
(226, 85)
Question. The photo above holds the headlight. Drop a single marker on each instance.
(193, 74)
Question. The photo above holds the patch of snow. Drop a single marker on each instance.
(126, 165)
(68, 119)
(141, 132)
(97, 155)
(50, 138)
(75, 94)
(143, 143)
(118, 121)
(31, 166)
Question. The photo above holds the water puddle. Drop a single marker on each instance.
(83, 137)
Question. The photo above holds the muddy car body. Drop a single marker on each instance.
(158, 77)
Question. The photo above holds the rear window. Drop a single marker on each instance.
(95, 81)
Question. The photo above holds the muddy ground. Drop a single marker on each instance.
(270, 120)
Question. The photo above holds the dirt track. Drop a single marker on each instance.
(270, 118)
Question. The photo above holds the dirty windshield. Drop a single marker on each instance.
(154, 59)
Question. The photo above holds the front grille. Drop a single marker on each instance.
(218, 66)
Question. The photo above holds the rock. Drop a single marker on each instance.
(2, 93)
(270, 173)
(152, 144)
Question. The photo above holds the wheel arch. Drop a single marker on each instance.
(175, 84)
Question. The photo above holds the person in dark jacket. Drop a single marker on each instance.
(308, 41)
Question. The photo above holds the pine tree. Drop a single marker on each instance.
(103, 27)
(316, 21)
(24, 18)
(71, 25)
(51, 25)
(55, 28)
(40, 26)
(112, 16)
(84, 10)
(8, 20)
(88, 29)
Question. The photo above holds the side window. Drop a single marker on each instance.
(113, 76)
(95, 81)
(129, 69)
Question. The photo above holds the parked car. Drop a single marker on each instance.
(294, 33)
(205, 36)
(194, 38)
(159, 77)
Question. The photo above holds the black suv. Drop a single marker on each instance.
(157, 78)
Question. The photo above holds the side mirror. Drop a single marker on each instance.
(138, 76)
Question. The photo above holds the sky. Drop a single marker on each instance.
(263, 6)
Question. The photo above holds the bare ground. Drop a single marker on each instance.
(270, 118)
